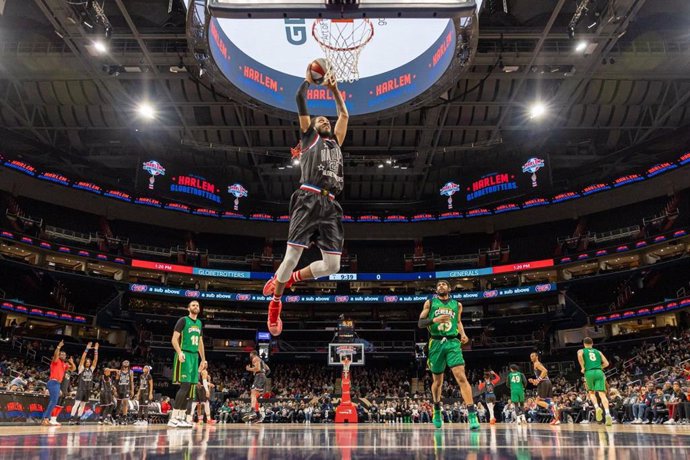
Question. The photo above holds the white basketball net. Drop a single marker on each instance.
(346, 360)
(341, 41)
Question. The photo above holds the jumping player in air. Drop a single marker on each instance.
(592, 364)
(544, 388)
(187, 340)
(314, 212)
(58, 373)
(144, 395)
(491, 379)
(441, 315)
(260, 370)
(85, 383)
(517, 382)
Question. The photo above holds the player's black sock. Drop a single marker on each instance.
(471, 408)
(437, 406)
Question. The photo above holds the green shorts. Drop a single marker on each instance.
(517, 396)
(188, 371)
(596, 380)
(444, 353)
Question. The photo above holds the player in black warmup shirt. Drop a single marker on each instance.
(125, 388)
(85, 383)
(314, 212)
(145, 395)
(107, 398)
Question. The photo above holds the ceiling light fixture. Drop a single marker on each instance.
(537, 110)
(146, 110)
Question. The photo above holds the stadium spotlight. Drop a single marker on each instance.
(581, 46)
(295, 162)
(100, 46)
(537, 110)
(146, 110)
(380, 165)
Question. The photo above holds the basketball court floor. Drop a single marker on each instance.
(296, 441)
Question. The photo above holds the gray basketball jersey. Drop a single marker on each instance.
(321, 162)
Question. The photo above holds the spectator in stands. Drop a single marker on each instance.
(165, 405)
(658, 405)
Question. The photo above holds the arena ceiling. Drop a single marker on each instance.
(617, 106)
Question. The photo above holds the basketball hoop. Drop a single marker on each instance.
(341, 41)
(346, 360)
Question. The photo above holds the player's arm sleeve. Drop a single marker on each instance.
(524, 380)
(179, 325)
(302, 112)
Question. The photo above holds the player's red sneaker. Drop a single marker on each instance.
(275, 324)
(270, 286)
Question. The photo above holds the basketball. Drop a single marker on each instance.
(318, 68)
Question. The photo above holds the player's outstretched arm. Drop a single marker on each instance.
(340, 129)
(83, 357)
(301, 98)
(94, 362)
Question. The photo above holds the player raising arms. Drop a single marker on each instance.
(544, 388)
(85, 383)
(187, 340)
(487, 386)
(313, 208)
(441, 315)
(592, 364)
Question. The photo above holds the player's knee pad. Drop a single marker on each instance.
(332, 262)
(289, 263)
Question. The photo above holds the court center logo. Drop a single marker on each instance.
(532, 166)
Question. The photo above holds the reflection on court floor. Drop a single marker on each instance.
(346, 442)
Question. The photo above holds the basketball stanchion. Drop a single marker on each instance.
(346, 412)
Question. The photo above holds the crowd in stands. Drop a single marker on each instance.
(650, 384)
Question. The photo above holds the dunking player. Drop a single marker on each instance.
(592, 364)
(441, 316)
(260, 369)
(544, 388)
(313, 209)
(85, 383)
(187, 340)
(517, 382)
